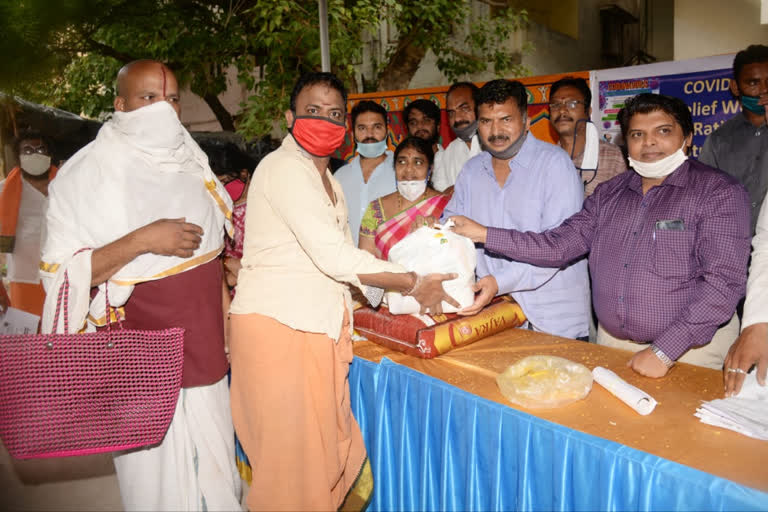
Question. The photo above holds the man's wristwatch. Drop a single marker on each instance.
(662, 356)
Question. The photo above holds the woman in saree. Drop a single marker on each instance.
(391, 218)
(234, 170)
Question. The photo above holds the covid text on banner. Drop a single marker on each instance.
(709, 98)
(703, 84)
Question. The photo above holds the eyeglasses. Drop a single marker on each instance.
(570, 105)
(40, 150)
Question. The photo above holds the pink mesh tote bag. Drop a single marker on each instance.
(79, 394)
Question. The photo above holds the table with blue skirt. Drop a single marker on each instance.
(441, 436)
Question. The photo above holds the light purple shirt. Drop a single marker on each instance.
(542, 189)
(667, 268)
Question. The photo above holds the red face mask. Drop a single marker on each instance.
(318, 136)
(235, 189)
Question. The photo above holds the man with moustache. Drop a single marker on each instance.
(740, 145)
(422, 117)
(569, 110)
(22, 204)
(460, 106)
(670, 240)
(143, 201)
(523, 183)
(370, 174)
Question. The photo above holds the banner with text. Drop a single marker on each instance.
(702, 83)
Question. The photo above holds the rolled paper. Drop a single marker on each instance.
(634, 397)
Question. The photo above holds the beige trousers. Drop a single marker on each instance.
(710, 355)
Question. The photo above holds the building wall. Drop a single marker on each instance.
(196, 115)
(661, 29)
(557, 53)
(713, 27)
(553, 52)
(674, 26)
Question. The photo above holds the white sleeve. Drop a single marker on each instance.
(440, 179)
(756, 305)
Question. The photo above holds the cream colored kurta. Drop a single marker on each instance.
(298, 254)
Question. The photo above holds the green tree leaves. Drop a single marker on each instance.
(67, 53)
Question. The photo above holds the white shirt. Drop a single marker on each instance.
(24, 262)
(756, 305)
(359, 194)
(450, 162)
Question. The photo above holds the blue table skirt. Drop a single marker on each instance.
(435, 447)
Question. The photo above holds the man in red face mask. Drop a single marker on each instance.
(290, 321)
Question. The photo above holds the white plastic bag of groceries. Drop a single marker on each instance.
(435, 250)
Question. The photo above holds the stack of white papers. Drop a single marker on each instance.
(746, 413)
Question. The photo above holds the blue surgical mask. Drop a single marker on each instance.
(372, 149)
(750, 103)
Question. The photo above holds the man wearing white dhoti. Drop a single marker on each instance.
(143, 200)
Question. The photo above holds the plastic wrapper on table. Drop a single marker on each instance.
(428, 336)
(539, 382)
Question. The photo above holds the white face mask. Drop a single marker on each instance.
(659, 168)
(35, 164)
(153, 126)
(411, 190)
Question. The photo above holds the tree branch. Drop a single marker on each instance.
(221, 113)
(402, 65)
(494, 3)
(107, 51)
(467, 55)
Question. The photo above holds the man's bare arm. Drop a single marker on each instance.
(167, 237)
(427, 290)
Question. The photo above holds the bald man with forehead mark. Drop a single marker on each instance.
(144, 197)
(144, 82)
(141, 83)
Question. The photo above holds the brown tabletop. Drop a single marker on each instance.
(671, 431)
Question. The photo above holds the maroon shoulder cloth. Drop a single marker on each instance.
(191, 300)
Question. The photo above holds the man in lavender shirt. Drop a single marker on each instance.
(523, 183)
(668, 245)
